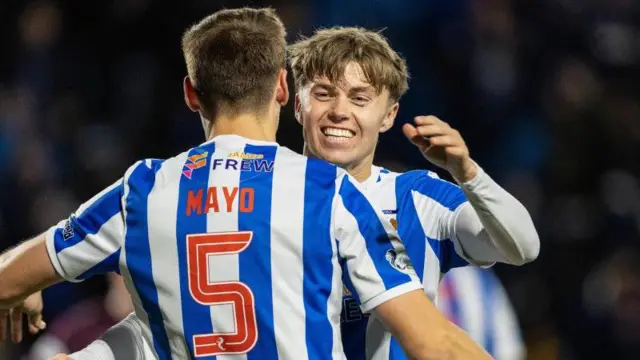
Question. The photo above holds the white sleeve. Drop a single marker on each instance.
(376, 263)
(90, 238)
(494, 226)
(123, 341)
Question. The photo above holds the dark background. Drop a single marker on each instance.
(544, 93)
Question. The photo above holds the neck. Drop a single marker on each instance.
(251, 127)
(361, 171)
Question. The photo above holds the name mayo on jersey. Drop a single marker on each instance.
(220, 199)
(244, 162)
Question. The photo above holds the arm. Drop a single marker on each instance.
(72, 250)
(24, 270)
(496, 226)
(424, 332)
(123, 341)
(388, 286)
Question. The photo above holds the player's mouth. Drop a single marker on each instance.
(337, 135)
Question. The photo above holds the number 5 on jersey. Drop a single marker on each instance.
(200, 248)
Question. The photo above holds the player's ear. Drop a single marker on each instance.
(296, 108)
(282, 89)
(190, 95)
(389, 119)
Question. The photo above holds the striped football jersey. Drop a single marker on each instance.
(474, 299)
(423, 208)
(236, 248)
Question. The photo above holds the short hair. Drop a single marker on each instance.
(233, 58)
(328, 52)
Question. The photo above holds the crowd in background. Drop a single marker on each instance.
(544, 92)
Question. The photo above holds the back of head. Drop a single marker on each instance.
(233, 58)
(329, 51)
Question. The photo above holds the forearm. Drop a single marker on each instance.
(500, 227)
(25, 270)
(424, 333)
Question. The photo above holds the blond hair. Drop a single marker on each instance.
(328, 52)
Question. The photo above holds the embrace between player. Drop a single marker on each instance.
(344, 99)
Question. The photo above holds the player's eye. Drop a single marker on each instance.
(360, 100)
(322, 95)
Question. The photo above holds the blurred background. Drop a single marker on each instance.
(544, 92)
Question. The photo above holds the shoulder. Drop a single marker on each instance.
(427, 184)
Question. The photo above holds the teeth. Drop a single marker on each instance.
(338, 132)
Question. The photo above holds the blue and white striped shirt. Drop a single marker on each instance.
(474, 299)
(236, 247)
(423, 207)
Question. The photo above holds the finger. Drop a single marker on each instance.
(16, 325)
(429, 120)
(444, 141)
(432, 130)
(61, 357)
(36, 321)
(3, 326)
(33, 329)
(412, 134)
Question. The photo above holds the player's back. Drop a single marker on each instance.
(230, 249)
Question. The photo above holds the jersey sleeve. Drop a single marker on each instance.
(89, 241)
(123, 341)
(374, 260)
(436, 204)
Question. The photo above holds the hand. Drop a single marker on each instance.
(32, 307)
(443, 146)
(61, 357)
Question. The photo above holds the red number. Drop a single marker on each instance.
(200, 247)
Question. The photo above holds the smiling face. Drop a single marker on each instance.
(342, 121)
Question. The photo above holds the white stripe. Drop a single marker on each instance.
(93, 249)
(431, 272)
(334, 303)
(438, 216)
(378, 340)
(287, 216)
(352, 246)
(508, 344)
(467, 290)
(162, 211)
(224, 267)
(140, 313)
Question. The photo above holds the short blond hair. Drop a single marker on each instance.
(234, 55)
(328, 52)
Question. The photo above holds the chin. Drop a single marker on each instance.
(338, 158)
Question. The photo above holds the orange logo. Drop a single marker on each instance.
(194, 162)
(394, 222)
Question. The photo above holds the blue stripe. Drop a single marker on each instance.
(92, 219)
(319, 191)
(376, 237)
(196, 318)
(450, 258)
(110, 264)
(138, 251)
(487, 284)
(395, 351)
(410, 228)
(443, 192)
(255, 261)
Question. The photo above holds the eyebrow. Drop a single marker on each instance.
(354, 90)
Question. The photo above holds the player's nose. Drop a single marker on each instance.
(339, 110)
